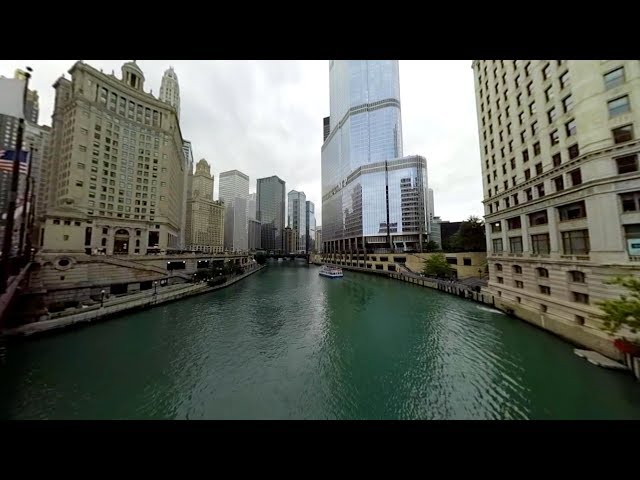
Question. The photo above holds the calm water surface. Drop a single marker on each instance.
(288, 344)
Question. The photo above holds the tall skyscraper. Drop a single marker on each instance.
(373, 197)
(116, 166)
(205, 217)
(234, 192)
(561, 185)
(271, 211)
(255, 241)
(170, 90)
(318, 241)
(310, 234)
(297, 217)
(430, 205)
(251, 206)
(188, 185)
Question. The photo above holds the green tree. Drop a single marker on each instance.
(431, 246)
(470, 237)
(437, 265)
(624, 310)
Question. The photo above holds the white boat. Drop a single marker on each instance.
(331, 272)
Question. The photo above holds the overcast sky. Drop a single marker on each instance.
(265, 118)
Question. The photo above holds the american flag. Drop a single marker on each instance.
(6, 160)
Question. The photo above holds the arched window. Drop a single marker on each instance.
(542, 272)
(499, 267)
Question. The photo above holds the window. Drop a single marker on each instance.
(500, 279)
(627, 164)
(466, 261)
(538, 168)
(515, 244)
(554, 138)
(81, 166)
(66, 237)
(570, 127)
(534, 128)
(575, 176)
(504, 169)
(513, 163)
(529, 87)
(614, 78)
(630, 201)
(574, 151)
(517, 80)
(506, 203)
(452, 260)
(514, 223)
(540, 244)
(544, 289)
(496, 227)
(576, 276)
(532, 108)
(518, 283)
(546, 71)
(498, 267)
(567, 103)
(56, 222)
(543, 308)
(538, 218)
(580, 298)
(521, 118)
(548, 94)
(551, 115)
(519, 99)
(542, 272)
(564, 80)
(78, 183)
(559, 183)
(525, 155)
(540, 190)
(527, 71)
(573, 211)
(575, 242)
(527, 174)
(517, 269)
(528, 193)
(622, 134)
(557, 159)
(515, 197)
(618, 106)
(497, 245)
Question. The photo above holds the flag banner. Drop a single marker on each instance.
(7, 157)
(12, 97)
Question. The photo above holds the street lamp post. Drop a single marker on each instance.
(102, 298)
(155, 286)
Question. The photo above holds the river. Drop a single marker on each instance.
(286, 343)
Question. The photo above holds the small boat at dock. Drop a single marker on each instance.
(331, 272)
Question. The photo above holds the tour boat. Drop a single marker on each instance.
(331, 272)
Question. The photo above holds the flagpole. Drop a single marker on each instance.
(32, 207)
(8, 228)
(25, 199)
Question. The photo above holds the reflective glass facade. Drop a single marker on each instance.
(296, 217)
(368, 188)
(270, 206)
(310, 239)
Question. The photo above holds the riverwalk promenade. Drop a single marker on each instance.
(121, 304)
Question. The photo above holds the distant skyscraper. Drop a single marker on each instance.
(205, 218)
(187, 185)
(430, 206)
(251, 206)
(170, 89)
(372, 196)
(234, 192)
(310, 234)
(297, 217)
(318, 241)
(271, 211)
(255, 233)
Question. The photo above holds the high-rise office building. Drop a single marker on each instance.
(188, 185)
(271, 211)
(170, 90)
(234, 192)
(297, 216)
(205, 217)
(255, 242)
(319, 245)
(561, 185)
(430, 205)
(116, 168)
(310, 225)
(251, 206)
(372, 197)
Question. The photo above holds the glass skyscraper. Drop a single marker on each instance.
(372, 196)
(270, 207)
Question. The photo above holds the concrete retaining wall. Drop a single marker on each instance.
(119, 305)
